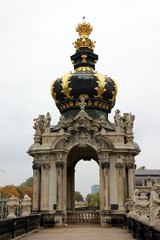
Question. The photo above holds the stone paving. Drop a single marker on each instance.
(78, 232)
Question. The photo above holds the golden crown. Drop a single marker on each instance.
(84, 29)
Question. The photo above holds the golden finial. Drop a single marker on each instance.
(84, 30)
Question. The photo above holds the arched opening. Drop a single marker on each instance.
(87, 184)
(75, 155)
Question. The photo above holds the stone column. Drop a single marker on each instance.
(104, 192)
(59, 166)
(45, 187)
(70, 189)
(131, 178)
(36, 186)
(120, 184)
(59, 215)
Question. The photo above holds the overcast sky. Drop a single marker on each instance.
(35, 47)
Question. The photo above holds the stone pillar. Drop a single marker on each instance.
(120, 184)
(45, 187)
(104, 192)
(70, 189)
(131, 178)
(36, 186)
(59, 215)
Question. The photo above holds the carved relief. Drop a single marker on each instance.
(59, 164)
(105, 165)
(46, 166)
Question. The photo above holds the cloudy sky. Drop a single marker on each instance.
(35, 47)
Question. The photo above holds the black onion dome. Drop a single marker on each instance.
(98, 90)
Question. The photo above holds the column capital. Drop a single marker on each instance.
(105, 165)
(36, 166)
(46, 166)
(59, 164)
(130, 165)
(119, 165)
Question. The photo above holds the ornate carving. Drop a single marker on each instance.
(36, 166)
(59, 164)
(130, 165)
(118, 119)
(154, 205)
(101, 85)
(47, 120)
(65, 85)
(82, 104)
(115, 91)
(61, 122)
(119, 165)
(84, 31)
(12, 204)
(128, 119)
(46, 166)
(105, 165)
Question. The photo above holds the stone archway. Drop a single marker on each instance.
(75, 154)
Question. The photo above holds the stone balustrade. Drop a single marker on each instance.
(83, 217)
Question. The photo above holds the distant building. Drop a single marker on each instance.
(94, 189)
(145, 176)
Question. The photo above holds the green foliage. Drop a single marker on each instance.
(89, 198)
(93, 200)
(28, 182)
(77, 196)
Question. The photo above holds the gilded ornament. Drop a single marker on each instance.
(84, 69)
(101, 85)
(84, 43)
(71, 103)
(89, 103)
(52, 91)
(84, 29)
(96, 103)
(115, 90)
(84, 58)
(83, 96)
(65, 85)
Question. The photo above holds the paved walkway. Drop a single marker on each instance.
(79, 232)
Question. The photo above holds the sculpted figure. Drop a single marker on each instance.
(47, 120)
(154, 205)
(61, 122)
(128, 119)
(118, 119)
(39, 124)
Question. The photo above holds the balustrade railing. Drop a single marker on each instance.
(142, 231)
(83, 217)
(4, 209)
(11, 228)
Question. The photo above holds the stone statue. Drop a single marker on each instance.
(39, 125)
(128, 119)
(47, 120)
(154, 205)
(118, 120)
(61, 122)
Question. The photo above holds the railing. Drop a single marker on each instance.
(142, 231)
(83, 217)
(11, 228)
(4, 209)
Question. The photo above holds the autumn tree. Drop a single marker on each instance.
(9, 191)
